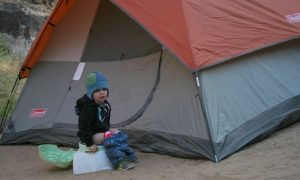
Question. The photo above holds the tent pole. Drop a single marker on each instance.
(141, 111)
(200, 95)
(8, 104)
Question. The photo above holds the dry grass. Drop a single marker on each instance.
(9, 67)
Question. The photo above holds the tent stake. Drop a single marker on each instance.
(216, 160)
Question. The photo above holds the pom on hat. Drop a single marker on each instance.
(95, 81)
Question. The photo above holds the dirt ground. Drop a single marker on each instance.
(277, 157)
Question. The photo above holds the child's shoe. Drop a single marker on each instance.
(131, 165)
(125, 165)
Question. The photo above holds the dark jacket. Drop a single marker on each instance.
(89, 122)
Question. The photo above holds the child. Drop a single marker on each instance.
(94, 111)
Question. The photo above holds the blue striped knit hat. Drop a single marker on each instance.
(95, 81)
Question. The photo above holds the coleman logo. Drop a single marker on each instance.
(293, 18)
(38, 113)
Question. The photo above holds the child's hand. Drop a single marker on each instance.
(93, 148)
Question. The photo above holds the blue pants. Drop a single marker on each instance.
(117, 154)
(117, 149)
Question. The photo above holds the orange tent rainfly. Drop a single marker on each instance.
(200, 33)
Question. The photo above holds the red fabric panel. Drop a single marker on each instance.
(206, 32)
(220, 30)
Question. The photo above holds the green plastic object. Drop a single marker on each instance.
(56, 156)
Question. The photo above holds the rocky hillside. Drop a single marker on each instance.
(20, 21)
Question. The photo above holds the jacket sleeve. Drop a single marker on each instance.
(85, 126)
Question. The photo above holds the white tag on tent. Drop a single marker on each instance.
(79, 71)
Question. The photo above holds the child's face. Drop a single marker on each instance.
(100, 95)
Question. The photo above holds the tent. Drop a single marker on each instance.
(189, 78)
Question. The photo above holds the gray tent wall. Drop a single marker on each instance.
(252, 97)
(235, 103)
(114, 36)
